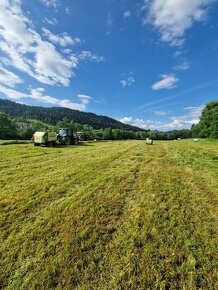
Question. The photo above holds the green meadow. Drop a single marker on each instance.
(109, 215)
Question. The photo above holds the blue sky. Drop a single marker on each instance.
(151, 64)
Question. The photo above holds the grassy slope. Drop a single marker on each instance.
(110, 215)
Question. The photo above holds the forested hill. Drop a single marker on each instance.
(56, 114)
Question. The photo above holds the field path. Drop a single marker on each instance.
(109, 215)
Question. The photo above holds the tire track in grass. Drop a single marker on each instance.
(140, 220)
(168, 238)
(78, 229)
(58, 185)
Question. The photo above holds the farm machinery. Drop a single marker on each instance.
(64, 137)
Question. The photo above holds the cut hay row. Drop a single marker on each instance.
(109, 215)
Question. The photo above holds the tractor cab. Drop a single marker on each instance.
(65, 132)
(66, 137)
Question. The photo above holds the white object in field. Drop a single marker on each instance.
(149, 141)
(94, 140)
(38, 137)
(195, 140)
(179, 139)
(44, 137)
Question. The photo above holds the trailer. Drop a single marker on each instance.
(45, 138)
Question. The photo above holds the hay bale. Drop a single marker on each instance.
(149, 141)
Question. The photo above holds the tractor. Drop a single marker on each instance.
(66, 137)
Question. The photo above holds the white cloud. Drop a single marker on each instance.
(161, 113)
(126, 14)
(90, 56)
(185, 121)
(9, 78)
(63, 39)
(51, 66)
(84, 99)
(194, 111)
(67, 51)
(26, 51)
(50, 3)
(167, 82)
(52, 21)
(38, 95)
(183, 66)
(126, 120)
(174, 17)
(127, 82)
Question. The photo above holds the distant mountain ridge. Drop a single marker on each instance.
(53, 115)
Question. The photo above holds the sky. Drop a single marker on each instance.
(148, 63)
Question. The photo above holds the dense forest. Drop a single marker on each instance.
(13, 125)
(56, 114)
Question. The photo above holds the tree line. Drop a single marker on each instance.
(21, 128)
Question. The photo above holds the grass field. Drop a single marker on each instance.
(109, 215)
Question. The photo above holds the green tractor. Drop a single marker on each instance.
(66, 137)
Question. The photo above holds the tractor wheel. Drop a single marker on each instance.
(67, 140)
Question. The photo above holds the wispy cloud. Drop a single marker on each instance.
(109, 23)
(167, 82)
(173, 18)
(149, 105)
(128, 82)
(63, 39)
(39, 95)
(9, 78)
(191, 116)
(183, 66)
(161, 113)
(194, 111)
(88, 55)
(50, 3)
(50, 21)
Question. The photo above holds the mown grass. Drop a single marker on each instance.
(8, 142)
(110, 215)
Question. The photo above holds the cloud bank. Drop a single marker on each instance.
(191, 116)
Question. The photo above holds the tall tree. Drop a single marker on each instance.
(208, 125)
